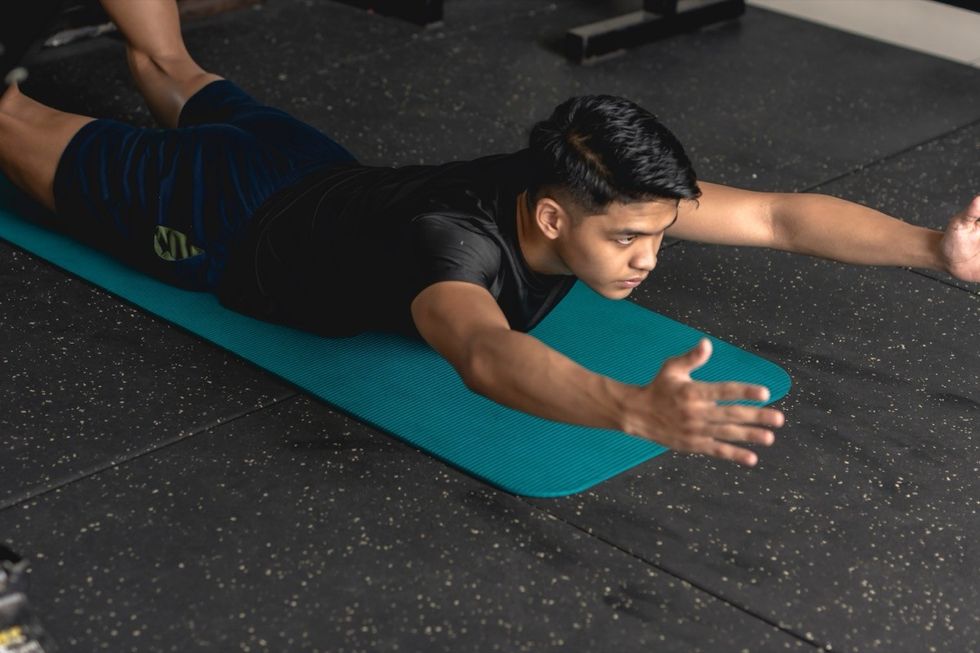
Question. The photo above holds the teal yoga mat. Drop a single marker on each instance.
(404, 388)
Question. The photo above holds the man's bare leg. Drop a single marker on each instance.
(163, 69)
(33, 137)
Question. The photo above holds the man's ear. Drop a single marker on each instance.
(551, 218)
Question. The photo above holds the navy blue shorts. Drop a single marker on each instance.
(171, 202)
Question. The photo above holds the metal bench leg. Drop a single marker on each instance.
(657, 19)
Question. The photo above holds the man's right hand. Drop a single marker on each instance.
(683, 414)
(463, 322)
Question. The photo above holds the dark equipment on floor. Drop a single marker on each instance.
(20, 630)
(22, 24)
(658, 19)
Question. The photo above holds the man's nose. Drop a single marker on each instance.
(647, 261)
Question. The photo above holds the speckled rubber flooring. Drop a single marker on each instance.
(175, 498)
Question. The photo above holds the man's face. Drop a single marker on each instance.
(613, 252)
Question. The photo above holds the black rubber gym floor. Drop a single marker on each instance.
(172, 497)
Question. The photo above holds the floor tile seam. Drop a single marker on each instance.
(874, 163)
(680, 246)
(975, 293)
(145, 451)
(679, 576)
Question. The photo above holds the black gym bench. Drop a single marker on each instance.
(588, 43)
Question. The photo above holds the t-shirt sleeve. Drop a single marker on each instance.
(450, 249)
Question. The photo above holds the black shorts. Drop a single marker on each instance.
(172, 202)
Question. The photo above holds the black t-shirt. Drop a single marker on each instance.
(349, 247)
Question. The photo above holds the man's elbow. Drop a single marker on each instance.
(478, 365)
(473, 383)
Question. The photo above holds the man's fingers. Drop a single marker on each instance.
(736, 454)
(746, 415)
(735, 433)
(717, 449)
(731, 391)
(972, 211)
(692, 360)
(968, 218)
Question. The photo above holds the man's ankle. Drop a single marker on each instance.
(176, 65)
(9, 93)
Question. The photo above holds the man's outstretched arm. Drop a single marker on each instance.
(463, 322)
(832, 228)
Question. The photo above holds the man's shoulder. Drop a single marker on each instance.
(470, 228)
(488, 168)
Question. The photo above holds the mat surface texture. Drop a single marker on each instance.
(405, 388)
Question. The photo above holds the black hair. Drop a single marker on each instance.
(599, 149)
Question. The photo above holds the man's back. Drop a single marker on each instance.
(350, 246)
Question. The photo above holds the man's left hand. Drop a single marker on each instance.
(960, 246)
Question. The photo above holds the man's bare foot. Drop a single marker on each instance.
(16, 75)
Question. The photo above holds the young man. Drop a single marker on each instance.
(282, 223)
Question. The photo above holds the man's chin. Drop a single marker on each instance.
(612, 292)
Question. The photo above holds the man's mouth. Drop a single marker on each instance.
(632, 283)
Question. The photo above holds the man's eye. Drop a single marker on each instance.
(625, 240)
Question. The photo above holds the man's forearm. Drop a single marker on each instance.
(832, 228)
(521, 372)
(517, 370)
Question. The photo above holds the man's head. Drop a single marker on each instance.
(607, 181)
